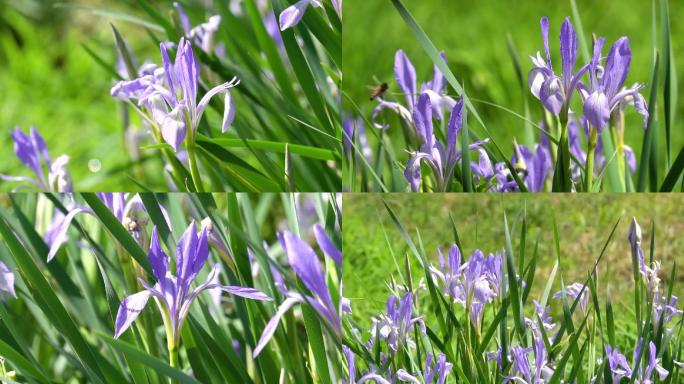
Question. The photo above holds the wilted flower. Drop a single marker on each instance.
(170, 95)
(306, 265)
(649, 274)
(33, 153)
(173, 292)
(435, 371)
(7, 280)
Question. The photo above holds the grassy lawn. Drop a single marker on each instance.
(584, 224)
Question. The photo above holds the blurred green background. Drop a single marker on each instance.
(48, 80)
(584, 224)
(473, 35)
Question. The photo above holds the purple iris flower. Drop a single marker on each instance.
(552, 90)
(203, 34)
(620, 369)
(521, 366)
(435, 371)
(173, 292)
(664, 310)
(654, 366)
(521, 369)
(605, 92)
(273, 30)
(307, 267)
(33, 153)
(351, 367)
(450, 272)
(575, 138)
(533, 168)
(293, 14)
(7, 280)
(326, 245)
(170, 95)
(395, 325)
(441, 159)
(127, 212)
(496, 177)
(473, 284)
(543, 314)
(337, 4)
(355, 129)
(573, 291)
(617, 363)
(405, 76)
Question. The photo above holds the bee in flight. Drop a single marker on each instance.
(378, 91)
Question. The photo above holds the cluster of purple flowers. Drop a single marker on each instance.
(603, 98)
(422, 107)
(472, 284)
(31, 150)
(479, 281)
(169, 94)
(395, 325)
(620, 369)
(173, 290)
(392, 329)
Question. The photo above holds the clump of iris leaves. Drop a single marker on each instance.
(277, 64)
(158, 288)
(579, 130)
(473, 317)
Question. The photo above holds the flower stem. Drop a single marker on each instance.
(194, 170)
(173, 360)
(589, 174)
(173, 357)
(618, 133)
